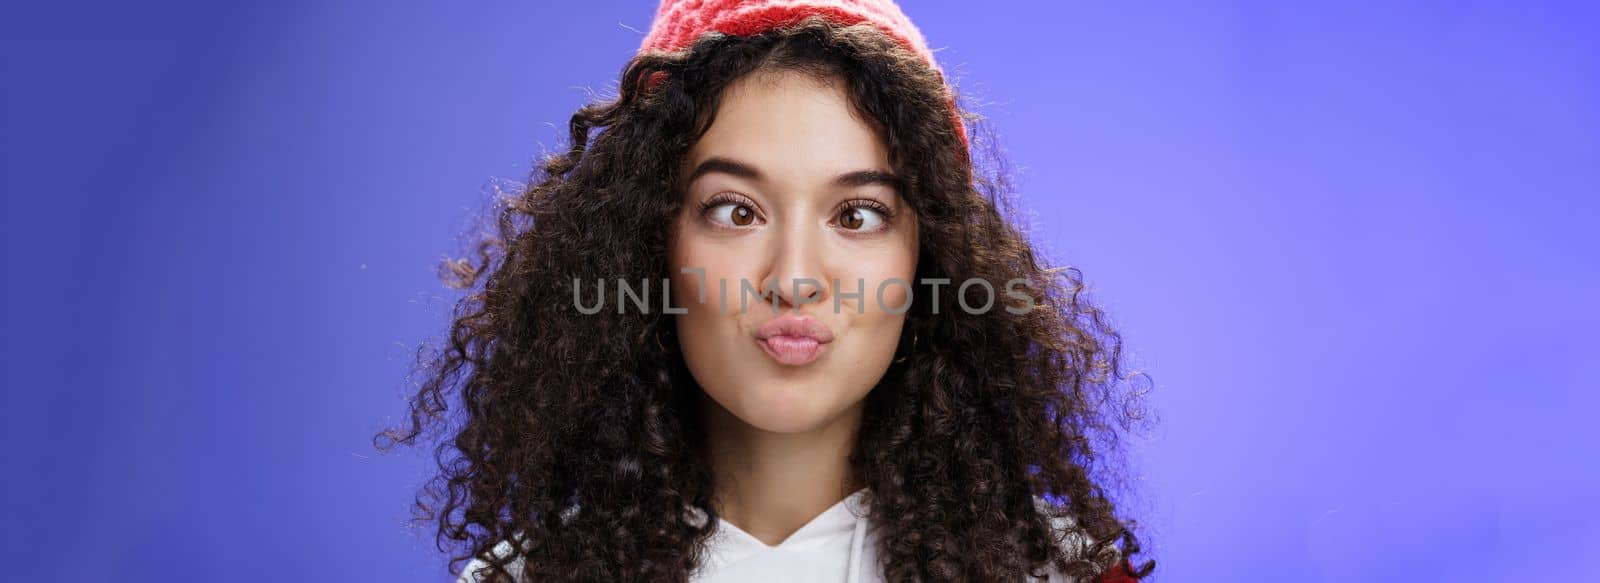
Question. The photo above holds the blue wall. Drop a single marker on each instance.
(1354, 244)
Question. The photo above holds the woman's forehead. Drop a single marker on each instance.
(790, 127)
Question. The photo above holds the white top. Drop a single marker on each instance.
(838, 545)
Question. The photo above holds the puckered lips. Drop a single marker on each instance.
(793, 340)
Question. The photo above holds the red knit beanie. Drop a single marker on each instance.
(678, 23)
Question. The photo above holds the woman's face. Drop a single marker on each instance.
(789, 189)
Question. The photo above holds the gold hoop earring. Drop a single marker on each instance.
(908, 352)
(661, 343)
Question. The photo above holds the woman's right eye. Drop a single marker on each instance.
(732, 214)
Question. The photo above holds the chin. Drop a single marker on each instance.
(787, 407)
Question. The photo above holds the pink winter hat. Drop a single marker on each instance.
(678, 23)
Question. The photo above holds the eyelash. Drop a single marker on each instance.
(720, 199)
(860, 203)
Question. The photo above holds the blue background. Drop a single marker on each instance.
(1354, 244)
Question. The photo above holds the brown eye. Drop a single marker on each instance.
(862, 218)
(851, 219)
(731, 214)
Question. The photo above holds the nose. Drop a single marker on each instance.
(796, 277)
(795, 292)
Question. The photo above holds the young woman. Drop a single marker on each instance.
(765, 320)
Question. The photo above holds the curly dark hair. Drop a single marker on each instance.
(987, 451)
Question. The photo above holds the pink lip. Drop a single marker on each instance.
(793, 340)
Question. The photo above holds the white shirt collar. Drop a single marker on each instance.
(830, 546)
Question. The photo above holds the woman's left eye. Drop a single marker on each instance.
(860, 218)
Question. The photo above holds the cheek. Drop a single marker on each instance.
(884, 277)
(706, 330)
(896, 270)
(685, 251)
(877, 320)
(701, 271)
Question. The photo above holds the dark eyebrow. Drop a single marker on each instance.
(725, 166)
(743, 170)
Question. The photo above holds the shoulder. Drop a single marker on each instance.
(470, 574)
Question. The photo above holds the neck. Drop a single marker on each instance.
(771, 484)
